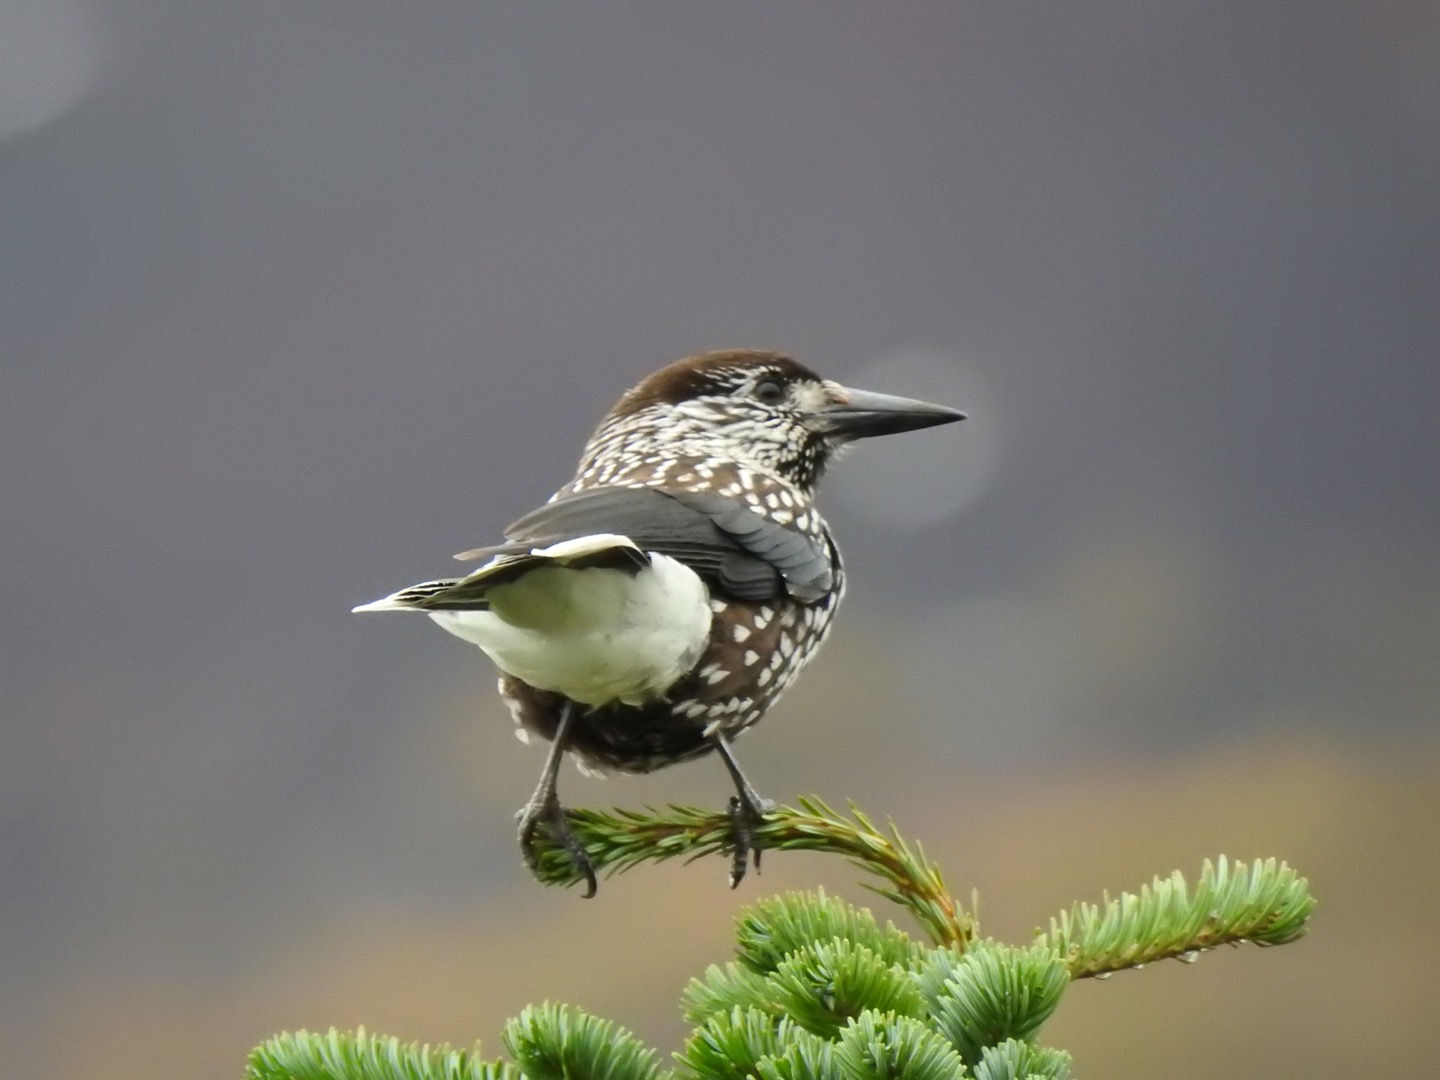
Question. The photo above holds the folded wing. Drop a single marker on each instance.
(744, 555)
(739, 553)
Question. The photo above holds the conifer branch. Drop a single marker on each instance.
(617, 840)
(819, 989)
(1014, 1060)
(305, 1055)
(1266, 903)
(561, 1042)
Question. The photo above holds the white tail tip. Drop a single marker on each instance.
(386, 603)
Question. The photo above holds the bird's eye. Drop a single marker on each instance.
(769, 392)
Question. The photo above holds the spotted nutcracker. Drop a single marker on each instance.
(664, 598)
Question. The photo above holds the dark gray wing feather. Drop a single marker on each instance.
(804, 566)
(748, 556)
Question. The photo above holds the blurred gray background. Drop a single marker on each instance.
(297, 299)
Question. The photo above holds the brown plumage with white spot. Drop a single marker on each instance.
(664, 598)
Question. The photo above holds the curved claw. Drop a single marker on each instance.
(747, 812)
(545, 806)
(557, 823)
(745, 816)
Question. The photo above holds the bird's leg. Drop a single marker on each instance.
(544, 806)
(747, 810)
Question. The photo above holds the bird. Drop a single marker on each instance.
(661, 601)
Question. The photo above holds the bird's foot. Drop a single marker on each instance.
(547, 811)
(746, 815)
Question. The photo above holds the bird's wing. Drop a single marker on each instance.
(747, 556)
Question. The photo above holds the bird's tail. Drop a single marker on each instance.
(507, 563)
(415, 598)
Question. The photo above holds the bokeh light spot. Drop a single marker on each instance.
(49, 60)
(929, 476)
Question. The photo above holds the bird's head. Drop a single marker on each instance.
(758, 409)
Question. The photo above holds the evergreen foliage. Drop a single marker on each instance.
(772, 929)
(620, 839)
(1266, 903)
(557, 1042)
(1016, 1060)
(820, 990)
(993, 993)
(361, 1056)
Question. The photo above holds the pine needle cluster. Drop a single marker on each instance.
(820, 990)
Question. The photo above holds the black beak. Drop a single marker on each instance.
(862, 414)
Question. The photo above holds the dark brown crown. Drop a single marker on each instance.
(719, 372)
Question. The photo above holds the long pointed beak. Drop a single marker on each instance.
(861, 414)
